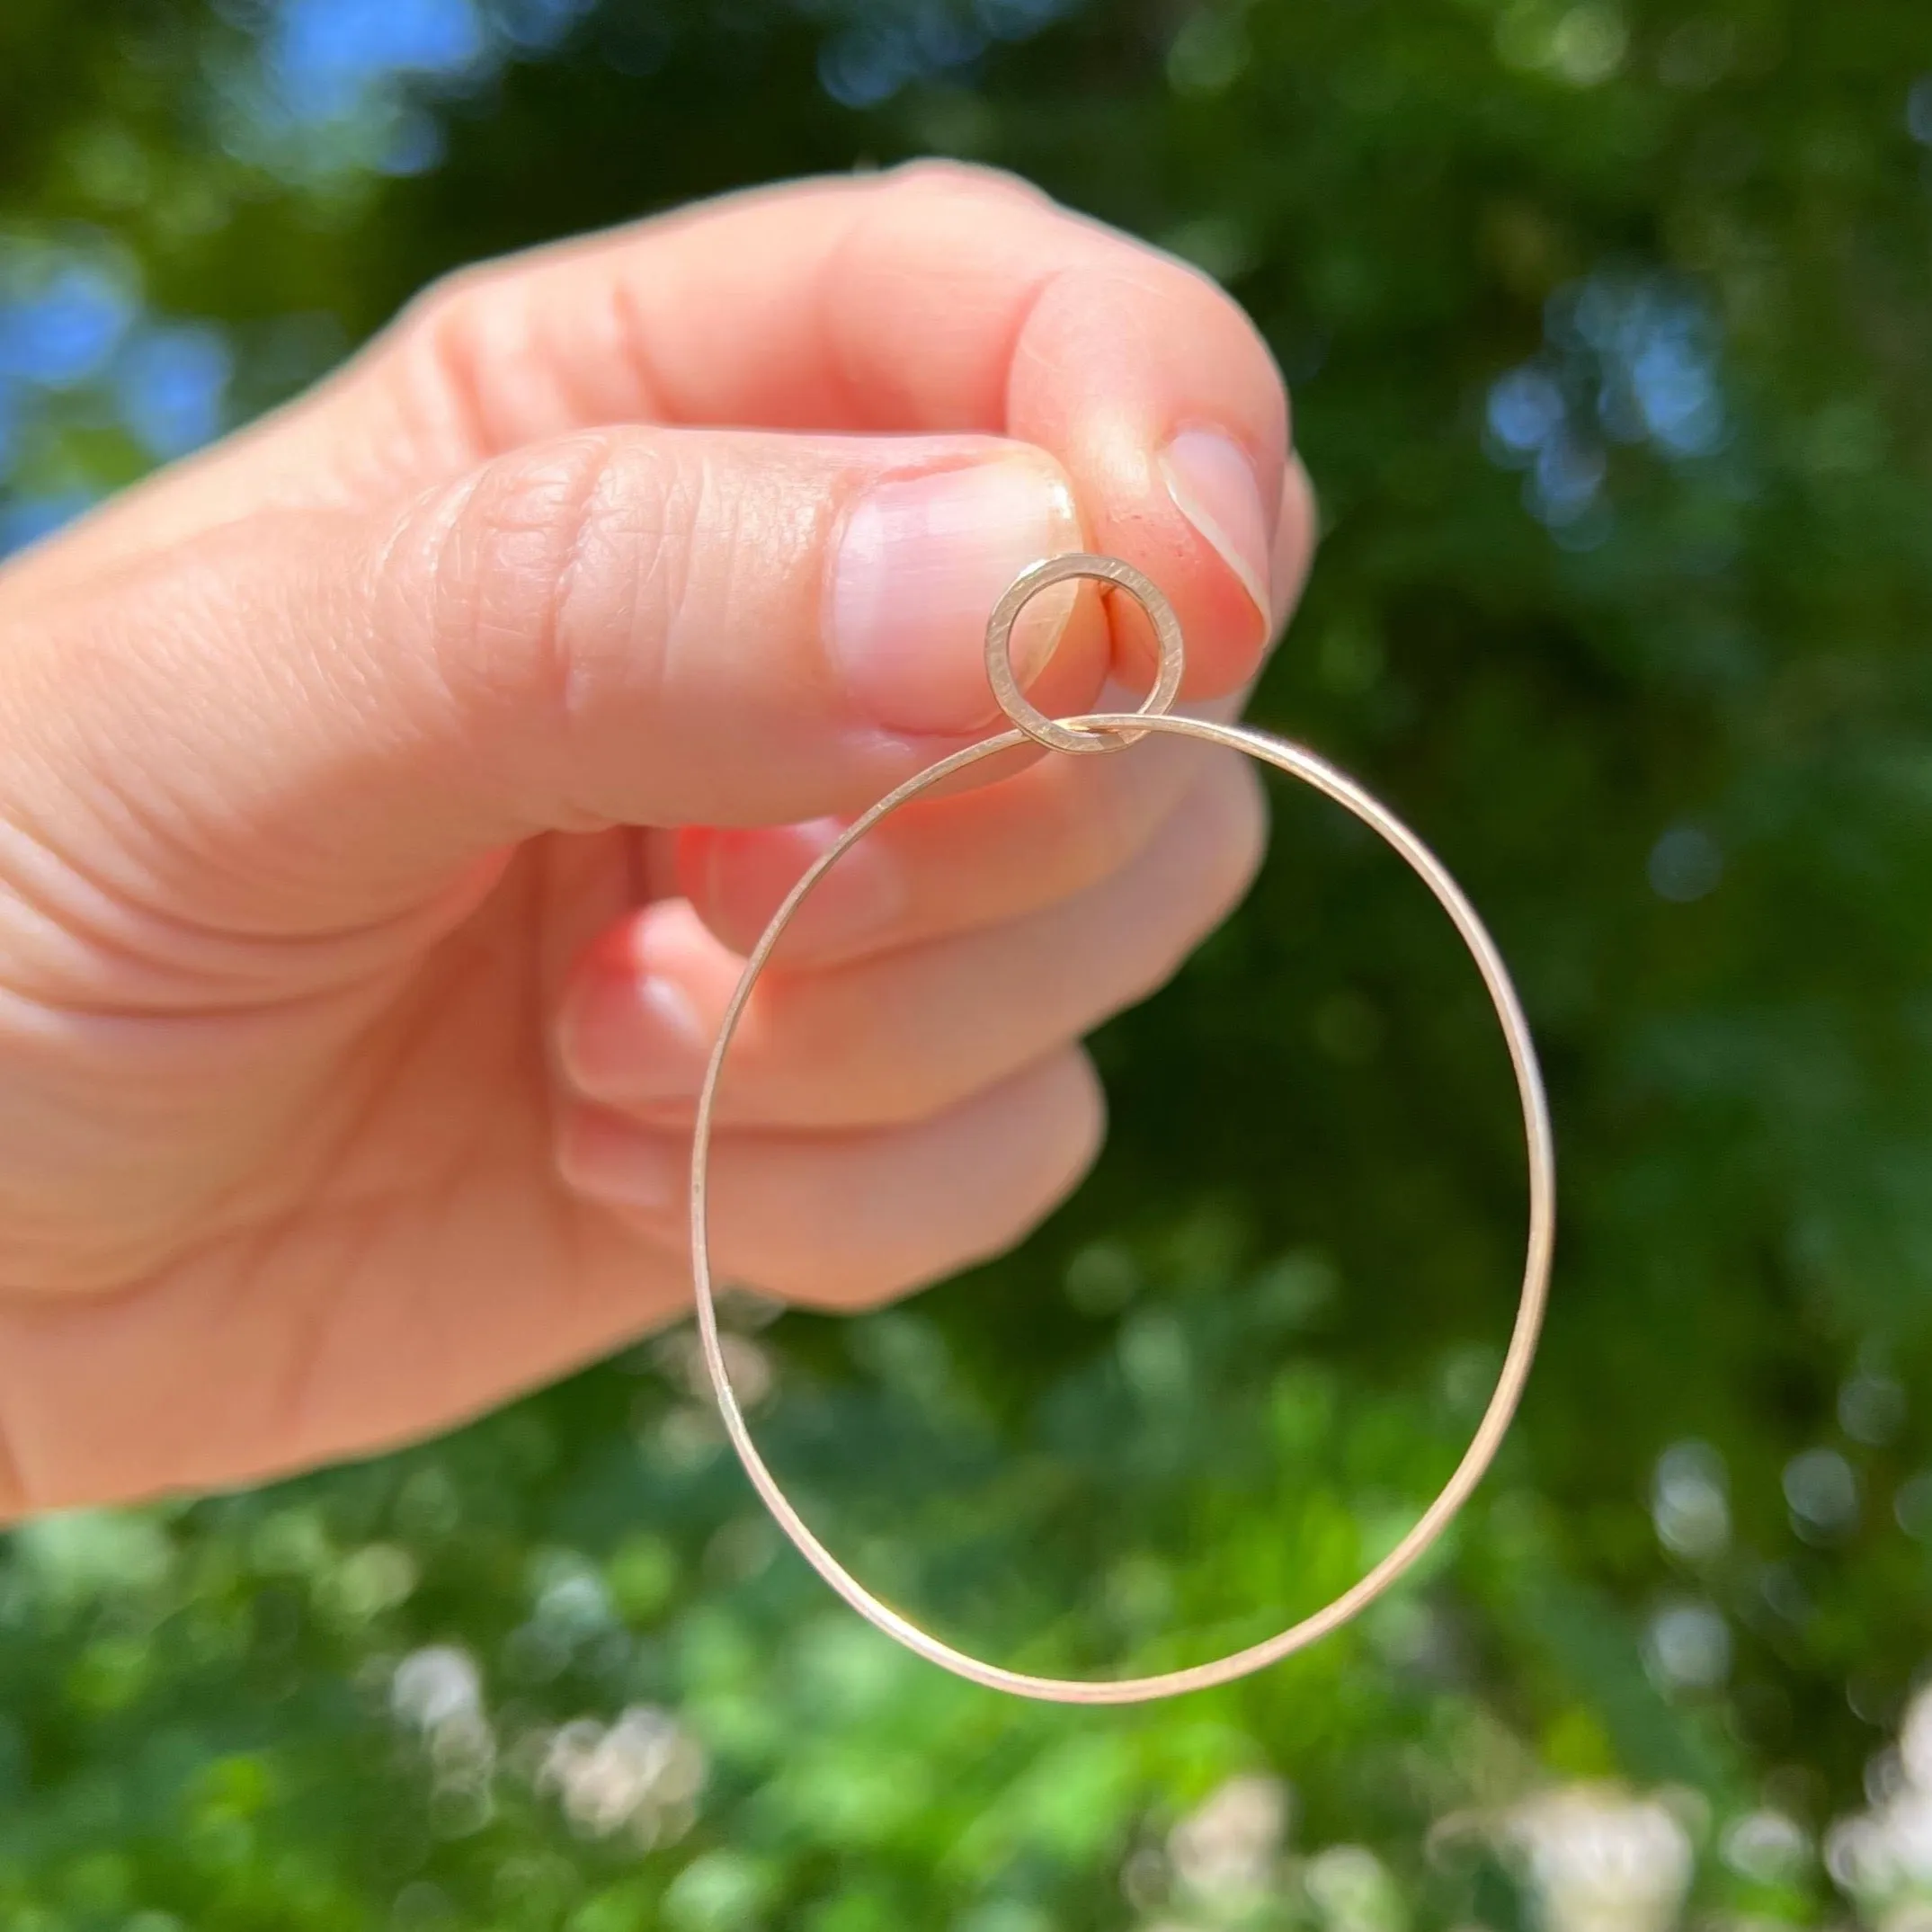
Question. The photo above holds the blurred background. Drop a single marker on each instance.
(1609, 326)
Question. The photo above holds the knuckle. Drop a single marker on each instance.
(445, 299)
(442, 343)
(939, 176)
(536, 576)
(442, 315)
(501, 566)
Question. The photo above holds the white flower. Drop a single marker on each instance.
(1883, 1854)
(434, 1685)
(1227, 1846)
(1352, 1889)
(1689, 1502)
(438, 1692)
(748, 1364)
(642, 1773)
(1915, 1741)
(1767, 1848)
(1687, 1647)
(1602, 1861)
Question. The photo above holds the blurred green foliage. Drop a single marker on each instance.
(1611, 336)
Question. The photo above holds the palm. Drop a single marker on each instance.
(390, 1248)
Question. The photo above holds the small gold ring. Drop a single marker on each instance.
(1058, 734)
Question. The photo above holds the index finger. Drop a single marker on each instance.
(934, 298)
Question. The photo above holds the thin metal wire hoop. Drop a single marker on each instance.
(1298, 763)
(1065, 734)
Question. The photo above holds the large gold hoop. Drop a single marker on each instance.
(1112, 731)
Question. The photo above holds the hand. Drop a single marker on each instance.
(389, 793)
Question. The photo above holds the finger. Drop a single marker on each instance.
(896, 1037)
(948, 863)
(847, 1220)
(939, 865)
(1297, 530)
(314, 718)
(932, 299)
(935, 298)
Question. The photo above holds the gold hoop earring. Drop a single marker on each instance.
(1101, 732)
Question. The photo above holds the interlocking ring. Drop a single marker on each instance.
(1068, 737)
(1112, 731)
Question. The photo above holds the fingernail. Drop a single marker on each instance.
(1213, 486)
(922, 562)
(633, 1040)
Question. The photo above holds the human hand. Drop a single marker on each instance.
(389, 793)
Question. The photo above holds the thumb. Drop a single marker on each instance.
(304, 721)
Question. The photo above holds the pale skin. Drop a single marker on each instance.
(390, 792)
